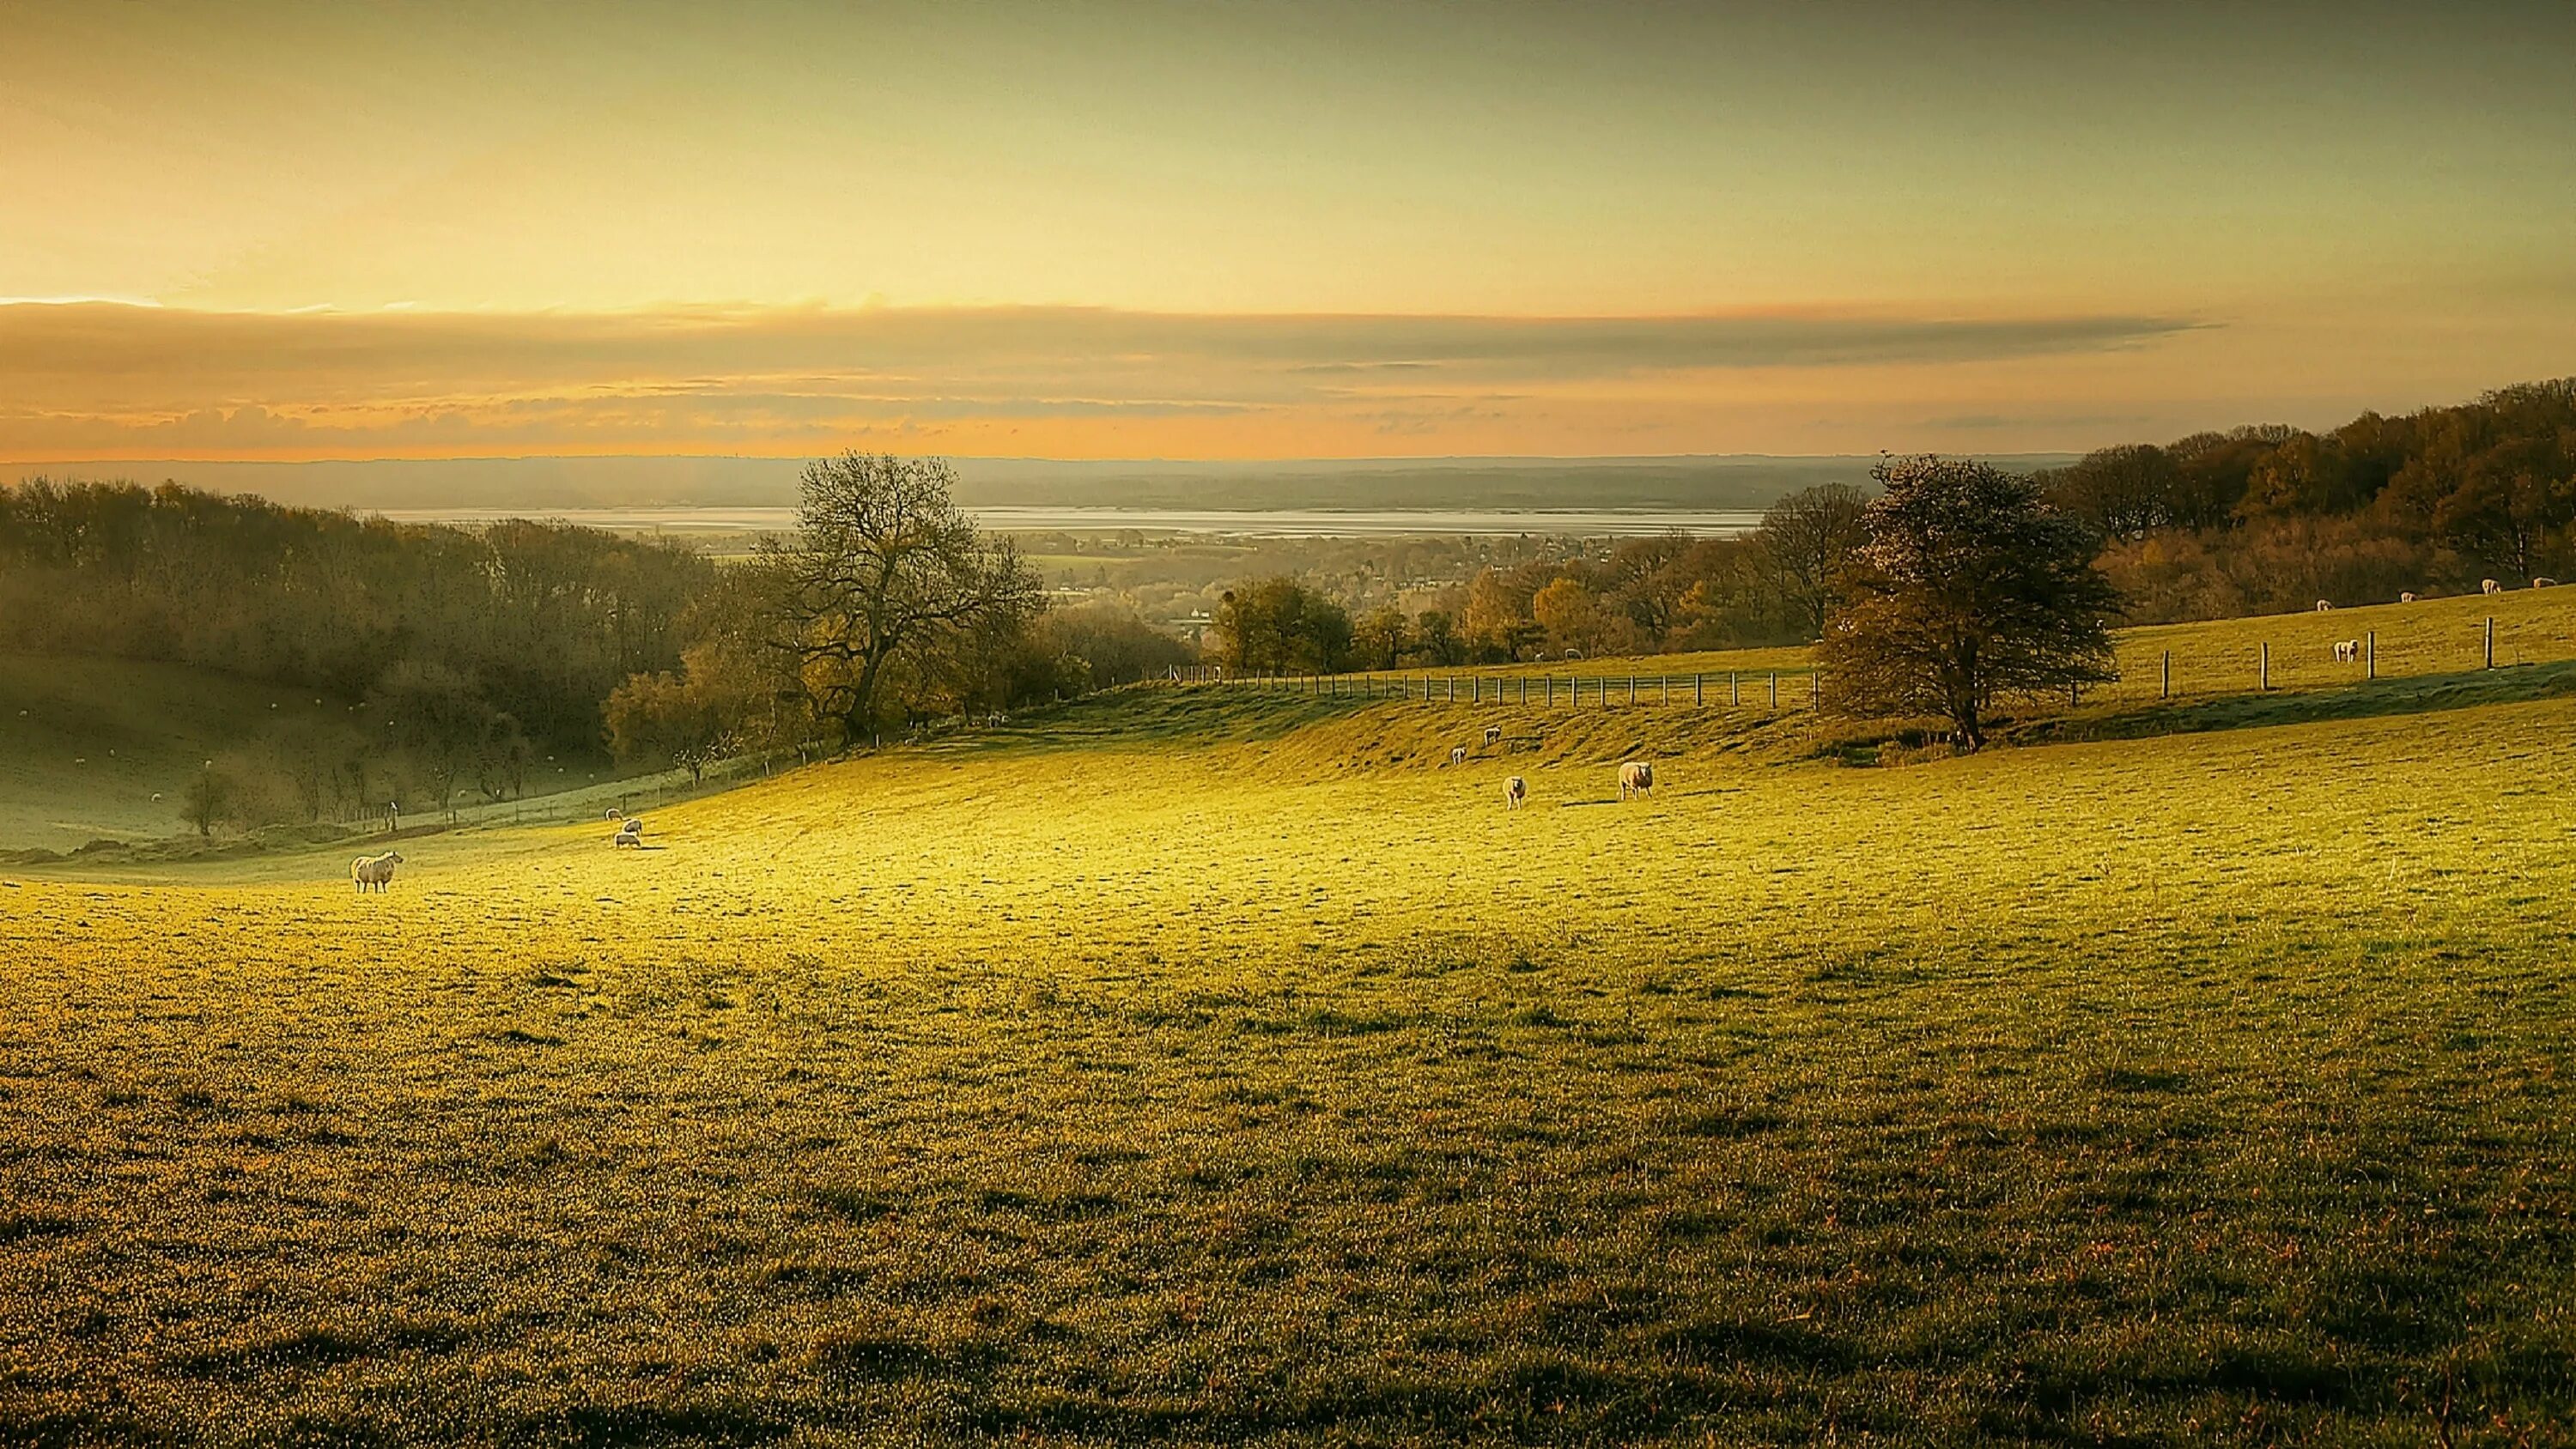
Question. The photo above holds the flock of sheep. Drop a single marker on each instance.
(375, 872)
(1636, 777)
(2349, 651)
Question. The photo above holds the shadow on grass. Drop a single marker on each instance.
(1157, 715)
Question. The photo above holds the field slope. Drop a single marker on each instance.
(1196, 1068)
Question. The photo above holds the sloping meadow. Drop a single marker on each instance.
(2185, 1090)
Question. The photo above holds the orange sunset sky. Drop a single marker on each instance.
(276, 231)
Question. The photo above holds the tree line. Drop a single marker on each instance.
(2261, 519)
(1774, 585)
(465, 657)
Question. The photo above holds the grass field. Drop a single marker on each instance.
(1201, 1066)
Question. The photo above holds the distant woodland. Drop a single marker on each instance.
(2215, 525)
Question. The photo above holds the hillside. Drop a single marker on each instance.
(1202, 1065)
(86, 744)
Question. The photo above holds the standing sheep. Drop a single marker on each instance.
(1636, 777)
(1515, 791)
(374, 870)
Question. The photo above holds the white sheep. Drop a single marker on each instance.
(374, 870)
(2407, 597)
(1636, 777)
(1493, 736)
(1515, 791)
(2325, 606)
(2544, 583)
(630, 833)
(2347, 651)
(1458, 754)
(2489, 586)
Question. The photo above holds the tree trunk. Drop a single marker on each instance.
(1969, 734)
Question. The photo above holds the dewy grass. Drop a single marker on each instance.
(1156, 1074)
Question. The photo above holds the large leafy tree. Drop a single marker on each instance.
(1276, 625)
(883, 569)
(1970, 586)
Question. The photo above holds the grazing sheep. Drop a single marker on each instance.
(2489, 586)
(1636, 777)
(630, 833)
(612, 813)
(2347, 651)
(2544, 583)
(374, 870)
(1458, 754)
(2407, 597)
(2325, 606)
(1493, 736)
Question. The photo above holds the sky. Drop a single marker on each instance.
(1252, 230)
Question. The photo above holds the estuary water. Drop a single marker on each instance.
(1241, 523)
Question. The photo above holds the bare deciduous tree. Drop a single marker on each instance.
(1806, 538)
(883, 565)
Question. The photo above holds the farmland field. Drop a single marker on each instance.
(1213, 1066)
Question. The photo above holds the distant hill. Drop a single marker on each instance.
(1713, 482)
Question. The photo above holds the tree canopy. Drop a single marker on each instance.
(886, 577)
(1969, 586)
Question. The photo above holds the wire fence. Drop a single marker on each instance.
(2302, 652)
(1778, 690)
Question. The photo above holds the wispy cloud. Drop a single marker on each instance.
(91, 376)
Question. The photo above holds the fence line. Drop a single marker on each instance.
(2166, 674)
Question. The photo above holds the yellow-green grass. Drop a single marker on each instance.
(1186, 1068)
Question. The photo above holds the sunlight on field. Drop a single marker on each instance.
(1263, 1077)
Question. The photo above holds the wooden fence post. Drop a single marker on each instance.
(2490, 641)
(1775, 691)
(2374, 654)
(1699, 690)
(1734, 689)
(1632, 683)
(2164, 685)
(2263, 668)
